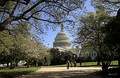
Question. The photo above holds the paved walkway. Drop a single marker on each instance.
(60, 69)
(63, 72)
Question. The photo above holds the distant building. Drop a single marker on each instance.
(92, 55)
(63, 43)
(76, 51)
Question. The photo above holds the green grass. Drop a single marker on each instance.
(7, 73)
(84, 64)
(114, 63)
(88, 64)
(7, 70)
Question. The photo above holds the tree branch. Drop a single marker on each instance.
(32, 7)
(14, 8)
(58, 22)
(5, 11)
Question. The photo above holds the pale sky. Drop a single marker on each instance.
(50, 36)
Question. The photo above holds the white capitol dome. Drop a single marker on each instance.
(61, 40)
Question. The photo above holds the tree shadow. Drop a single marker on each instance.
(110, 73)
(65, 74)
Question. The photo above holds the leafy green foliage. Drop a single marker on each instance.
(57, 57)
(18, 45)
(112, 39)
(61, 57)
(112, 31)
(90, 32)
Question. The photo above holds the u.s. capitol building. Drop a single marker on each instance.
(63, 43)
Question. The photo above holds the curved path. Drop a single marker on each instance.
(63, 72)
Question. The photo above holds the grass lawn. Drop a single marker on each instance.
(88, 64)
(12, 73)
(114, 63)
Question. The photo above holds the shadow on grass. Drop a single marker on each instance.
(13, 74)
(110, 73)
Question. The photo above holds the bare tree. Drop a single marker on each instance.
(13, 12)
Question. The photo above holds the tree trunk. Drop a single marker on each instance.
(98, 60)
(28, 66)
(16, 64)
(11, 65)
(7, 64)
(80, 63)
(119, 62)
(36, 64)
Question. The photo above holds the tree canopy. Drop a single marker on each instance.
(108, 5)
(112, 32)
(22, 46)
(90, 31)
(34, 11)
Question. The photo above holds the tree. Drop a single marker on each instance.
(86, 48)
(57, 57)
(70, 59)
(108, 5)
(11, 48)
(21, 46)
(4, 50)
(90, 31)
(3, 2)
(35, 11)
(112, 32)
(62, 57)
(35, 52)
